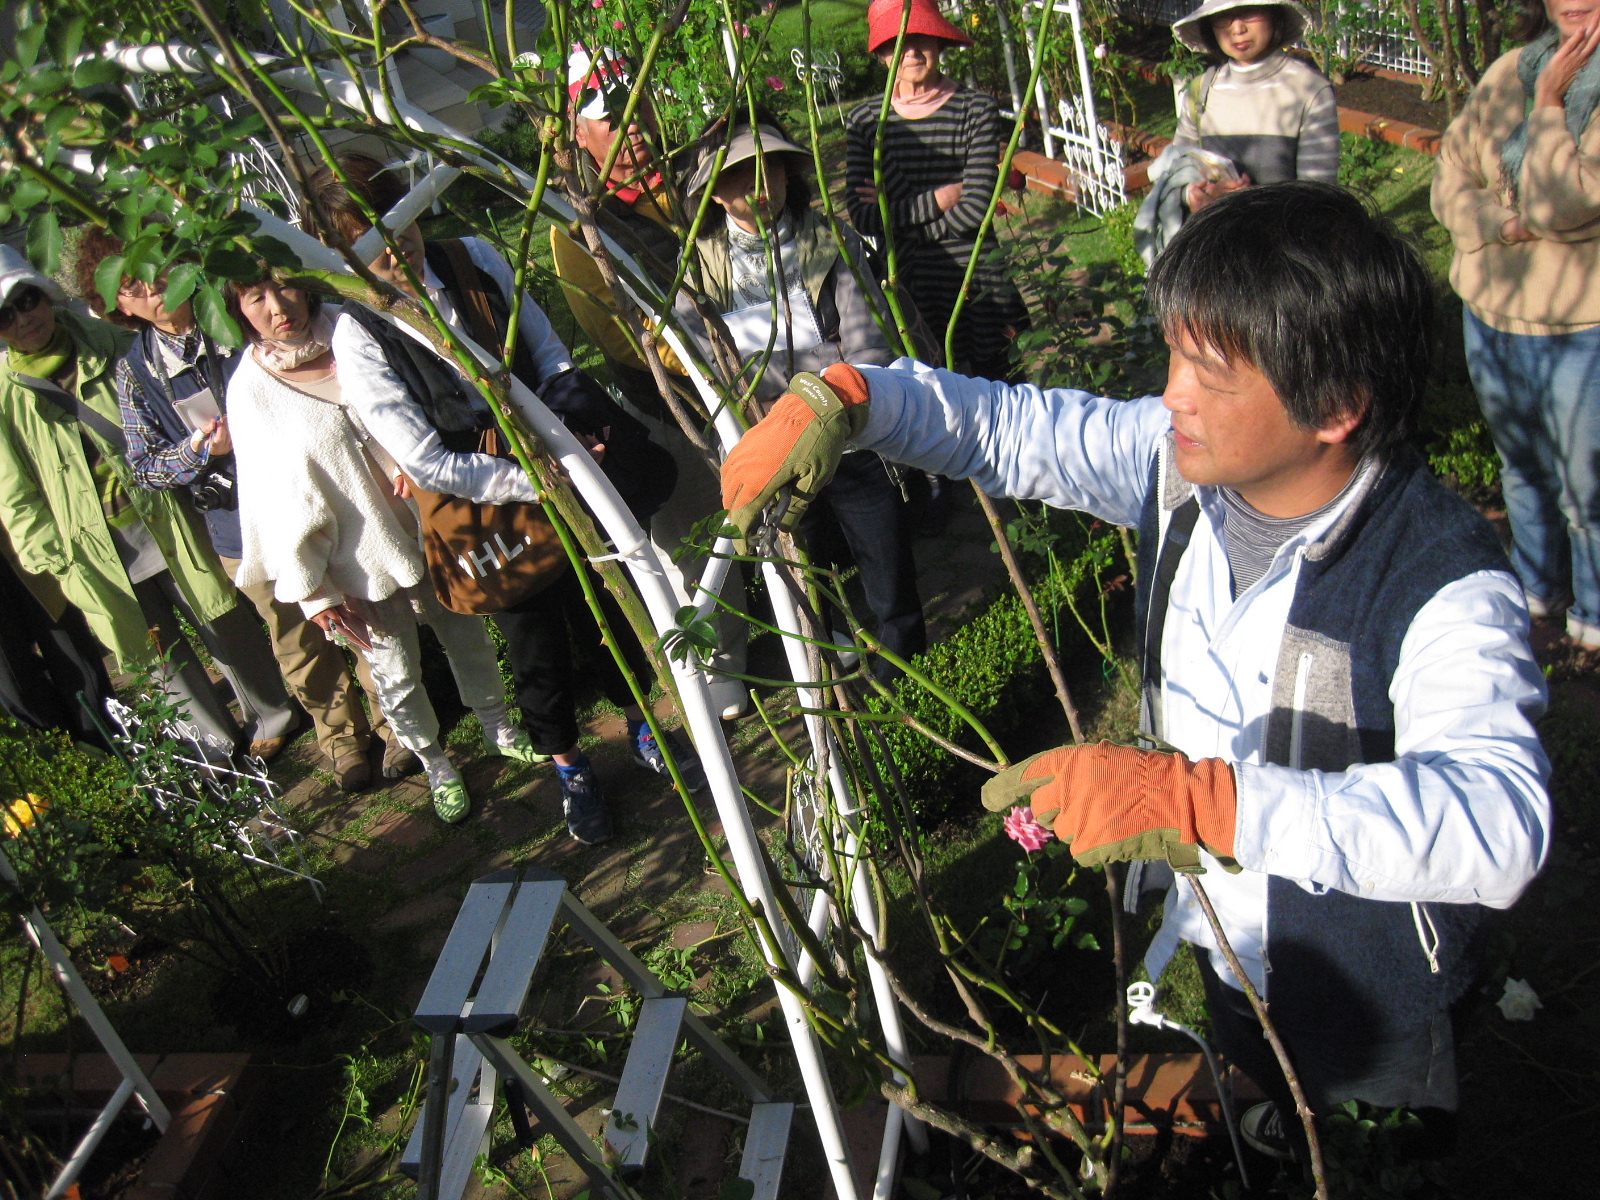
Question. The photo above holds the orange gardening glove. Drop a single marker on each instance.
(800, 441)
(1114, 803)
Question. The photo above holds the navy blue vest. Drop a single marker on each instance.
(1337, 961)
(221, 523)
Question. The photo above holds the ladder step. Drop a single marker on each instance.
(644, 1079)
(463, 1073)
(765, 1144)
(498, 1003)
(439, 1010)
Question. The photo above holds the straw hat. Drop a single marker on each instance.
(741, 149)
(17, 272)
(883, 23)
(1293, 21)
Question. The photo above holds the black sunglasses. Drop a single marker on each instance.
(25, 301)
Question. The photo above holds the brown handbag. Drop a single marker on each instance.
(486, 558)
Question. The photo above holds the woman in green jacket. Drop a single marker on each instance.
(127, 557)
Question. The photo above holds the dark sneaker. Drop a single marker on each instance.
(584, 805)
(1262, 1129)
(647, 754)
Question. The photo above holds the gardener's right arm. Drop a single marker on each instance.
(1067, 448)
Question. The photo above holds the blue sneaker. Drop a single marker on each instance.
(648, 755)
(583, 804)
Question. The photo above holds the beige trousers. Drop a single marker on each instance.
(318, 674)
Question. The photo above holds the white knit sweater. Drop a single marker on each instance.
(318, 518)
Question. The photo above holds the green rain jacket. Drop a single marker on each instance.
(51, 509)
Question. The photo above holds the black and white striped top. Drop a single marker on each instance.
(960, 142)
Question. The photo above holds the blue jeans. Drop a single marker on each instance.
(1541, 397)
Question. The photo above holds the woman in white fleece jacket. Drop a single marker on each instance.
(321, 518)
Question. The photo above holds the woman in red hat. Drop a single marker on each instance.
(941, 157)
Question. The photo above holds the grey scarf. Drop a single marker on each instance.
(1581, 99)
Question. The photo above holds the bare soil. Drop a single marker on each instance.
(1391, 98)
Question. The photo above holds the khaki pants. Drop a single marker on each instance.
(318, 674)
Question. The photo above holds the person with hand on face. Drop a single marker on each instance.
(1334, 650)
(171, 386)
(1516, 188)
(764, 228)
(133, 561)
(430, 420)
(1271, 115)
(322, 521)
(941, 158)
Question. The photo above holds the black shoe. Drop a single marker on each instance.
(398, 762)
(1262, 1129)
(583, 805)
(648, 755)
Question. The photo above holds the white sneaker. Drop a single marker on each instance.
(1583, 633)
(730, 699)
(1539, 609)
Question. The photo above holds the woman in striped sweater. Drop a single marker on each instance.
(941, 157)
(1273, 116)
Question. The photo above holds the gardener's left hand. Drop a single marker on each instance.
(1114, 803)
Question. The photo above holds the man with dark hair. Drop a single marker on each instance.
(1334, 649)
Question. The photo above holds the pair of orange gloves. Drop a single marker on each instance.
(1109, 803)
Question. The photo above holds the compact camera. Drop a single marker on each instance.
(214, 490)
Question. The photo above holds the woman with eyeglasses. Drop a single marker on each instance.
(132, 560)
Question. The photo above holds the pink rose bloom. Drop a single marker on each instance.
(618, 25)
(775, 83)
(1024, 829)
(599, 3)
(744, 30)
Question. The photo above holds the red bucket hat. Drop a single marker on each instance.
(883, 23)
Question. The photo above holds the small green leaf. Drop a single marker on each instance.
(212, 313)
(95, 71)
(66, 38)
(1088, 942)
(230, 262)
(44, 241)
(108, 279)
(181, 281)
(275, 253)
(28, 42)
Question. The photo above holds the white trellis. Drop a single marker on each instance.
(826, 68)
(1080, 140)
(632, 547)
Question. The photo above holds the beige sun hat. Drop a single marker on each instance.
(741, 149)
(16, 271)
(1296, 20)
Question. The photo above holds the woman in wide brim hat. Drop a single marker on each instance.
(1291, 21)
(1270, 114)
(941, 157)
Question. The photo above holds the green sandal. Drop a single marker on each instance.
(520, 750)
(450, 800)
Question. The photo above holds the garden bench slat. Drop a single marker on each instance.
(463, 1070)
(439, 1010)
(518, 947)
(765, 1144)
(644, 1079)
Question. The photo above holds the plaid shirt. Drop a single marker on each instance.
(158, 462)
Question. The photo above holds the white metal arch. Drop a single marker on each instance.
(634, 549)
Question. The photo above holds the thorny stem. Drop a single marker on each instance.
(1307, 1119)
